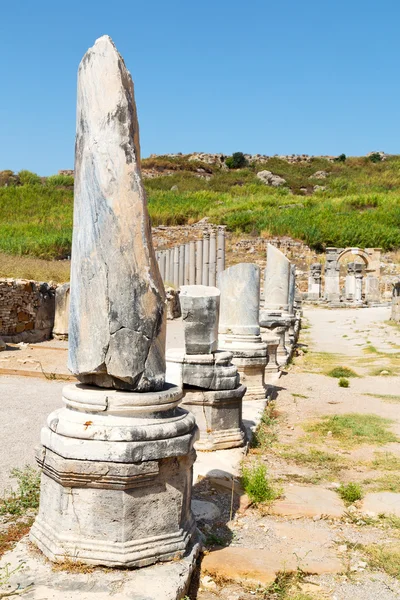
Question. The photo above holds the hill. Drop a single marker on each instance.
(322, 201)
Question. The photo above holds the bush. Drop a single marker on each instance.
(340, 372)
(375, 157)
(236, 161)
(350, 492)
(29, 178)
(60, 180)
(257, 485)
(341, 158)
(8, 178)
(343, 382)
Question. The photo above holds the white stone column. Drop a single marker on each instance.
(162, 264)
(372, 291)
(192, 263)
(239, 328)
(206, 249)
(220, 250)
(358, 283)
(187, 264)
(332, 285)
(199, 262)
(314, 282)
(276, 284)
(176, 267)
(167, 278)
(181, 265)
(212, 259)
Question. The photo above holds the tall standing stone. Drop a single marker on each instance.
(117, 322)
(116, 463)
(276, 285)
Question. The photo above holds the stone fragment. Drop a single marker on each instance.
(173, 304)
(117, 320)
(205, 511)
(200, 314)
(301, 501)
(207, 371)
(3, 345)
(270, 179)
(387, 503)
(61, 317)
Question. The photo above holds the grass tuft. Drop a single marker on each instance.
(350, 492)
(352, 429)
(385, 558)
(341, 372)
(343, 382)
(257, 485)
(26, 497)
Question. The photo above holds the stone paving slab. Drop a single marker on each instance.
(35, 579)
(302, 501)
(256, 566)
(382, 503)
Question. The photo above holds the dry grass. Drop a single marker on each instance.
(384, 558)
(27, 267)
(13, 534)
(72, 566)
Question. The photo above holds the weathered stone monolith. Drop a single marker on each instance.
(276, 284)
(117, 459)
(314, 282)
(117, 321)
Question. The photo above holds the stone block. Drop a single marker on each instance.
(200, 314)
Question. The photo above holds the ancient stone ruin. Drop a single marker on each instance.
(116, 461)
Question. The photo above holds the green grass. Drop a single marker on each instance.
(386, 461)
(390, 482)
(384, 558)
(27, 494)
(390, 398)
(340, 372)
(265, 434)
(343, 382)
(257, 485)
(352, 429)
(360, 207)
(350, 492)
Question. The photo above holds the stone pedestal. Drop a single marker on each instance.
(272, 368)
(218, 415)
(208, 371)
(314, 282)
(332, 283)
(61, 314)
(277, 325)
(372, 291)
(116, 478)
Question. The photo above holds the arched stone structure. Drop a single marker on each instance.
(371, 258)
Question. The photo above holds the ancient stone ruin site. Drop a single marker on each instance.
(199, 371)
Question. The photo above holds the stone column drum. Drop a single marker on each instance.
(212, 391)
(314, 282)
(239, 328)
(350, 282)
(332, 283)
(117, 459)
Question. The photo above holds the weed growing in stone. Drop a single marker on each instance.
(352, 429)
(350, 492)
(257, 485)
(265, 434)
(26, 497)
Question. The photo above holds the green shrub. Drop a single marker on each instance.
(343, 382)
(29, 178)
(8, 178)
(341, 158)
(375, 157)
(60, 180)
(236, 161)
(350, 492)
(257, 485)
(340, 372)
(26, 496)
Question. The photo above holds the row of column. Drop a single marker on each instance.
(195, 263)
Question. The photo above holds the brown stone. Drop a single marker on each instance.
(302, 501)
(20, 327)
(29, 326)
(261, 567)
(23, 316)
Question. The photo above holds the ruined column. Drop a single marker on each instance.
(210, 381)
(192, 263)
(176, 267)
(199, 262)
(206, 248)
(395, 311)
(212, 260)
(167, 278)
(187, 263)
(358, 275)
(163, 264)
(220, 250)
(314, 282)
(171, 265)
(332, 286)
(372, 291)
(116, 460)
(274, 317)
(181, 265)
(239, 328)
(350, 282)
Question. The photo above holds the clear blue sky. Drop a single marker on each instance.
(290, 76)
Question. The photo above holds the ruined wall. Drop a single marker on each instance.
(26, 310)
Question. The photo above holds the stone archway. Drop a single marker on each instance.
(371, 259)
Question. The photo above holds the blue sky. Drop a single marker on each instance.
(288, 76)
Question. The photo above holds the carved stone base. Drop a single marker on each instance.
(116, 478)
(218, 415)
(250, 357)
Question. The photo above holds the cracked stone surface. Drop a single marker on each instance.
(117, 322)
